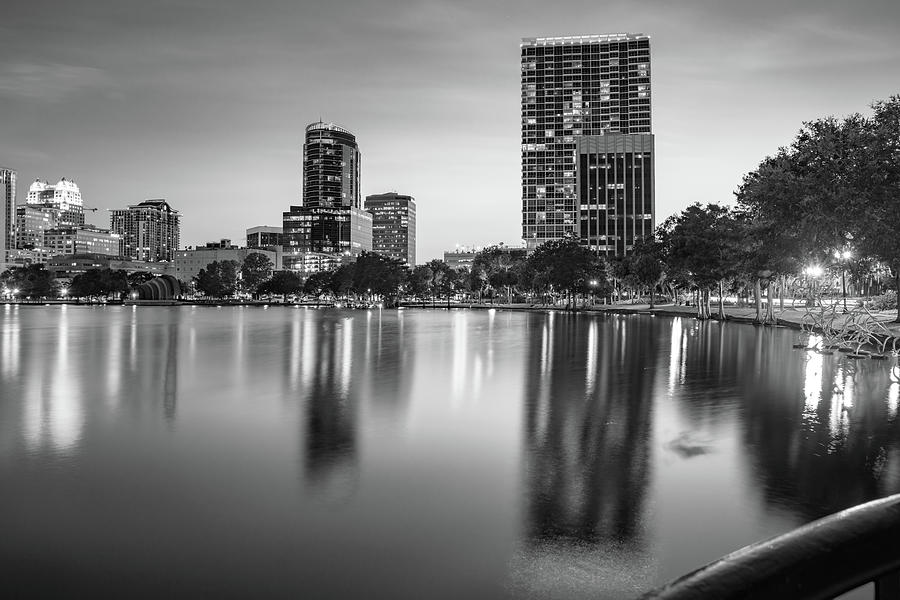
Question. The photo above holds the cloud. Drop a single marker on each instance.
(50, 82)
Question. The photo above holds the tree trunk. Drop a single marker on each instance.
(897, 280)
(781, 279)
(721, 301)
(757, 290)
(652, 294)
(770, 305)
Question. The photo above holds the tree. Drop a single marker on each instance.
(340, 282)
(95, 283)
(564, 265)
(31, 281)
(256, 268)
(281, 283)
(495, 268)
(218, 279)
(420, 281)
(876, 232)
(836, 188)
(137, 278)
(317, 284)
(646, 265)
(704, 242)
(379, 275)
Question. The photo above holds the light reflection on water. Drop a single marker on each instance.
(417, 453)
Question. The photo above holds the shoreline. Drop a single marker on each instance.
(789, 317)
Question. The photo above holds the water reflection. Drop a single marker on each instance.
(420, 453)
(331, 452)
(588, 408)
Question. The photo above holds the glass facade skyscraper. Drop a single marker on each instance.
(393, 225)
(576, 89)
(7, 213)
(331, 219)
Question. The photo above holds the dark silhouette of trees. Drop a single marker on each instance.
(281, 283)
(96, 283)
(218, 279)
(256, 268)
(31, 281)
(563, 265)
(706, 243)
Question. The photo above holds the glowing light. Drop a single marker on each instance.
(814, 271)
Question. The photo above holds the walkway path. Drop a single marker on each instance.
(790, 317)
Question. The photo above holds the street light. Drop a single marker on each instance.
(593, 284)
(813, 271)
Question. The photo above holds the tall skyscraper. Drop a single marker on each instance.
(393, 225)
(150, 230)
(587, 147)
(7, 218)
(64, 196)
(330, 219)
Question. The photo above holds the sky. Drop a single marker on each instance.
(204, 102)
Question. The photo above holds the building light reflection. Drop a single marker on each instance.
(590, 376)
(812, 383)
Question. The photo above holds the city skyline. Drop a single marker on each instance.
(206, 106)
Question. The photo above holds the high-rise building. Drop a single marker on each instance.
(393, 225)
(150, 230)
(64, 196)
(7, 218)
(587, 147)
(330, 219)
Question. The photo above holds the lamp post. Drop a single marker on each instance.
(813, 271)
(593, 284)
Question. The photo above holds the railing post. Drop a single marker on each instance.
(888, 586)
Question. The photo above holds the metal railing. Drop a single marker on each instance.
(822, 559)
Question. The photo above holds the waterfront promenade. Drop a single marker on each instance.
(789, 317)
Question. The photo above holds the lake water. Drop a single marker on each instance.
(291, 452)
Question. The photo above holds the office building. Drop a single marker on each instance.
(150, 230)
(63, 196)
(331, 219)
(7, 214)
(575, 91)
(87, 239)
(31, 223)
(393, 225)
(264, 236)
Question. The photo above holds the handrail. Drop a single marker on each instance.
(822, 559)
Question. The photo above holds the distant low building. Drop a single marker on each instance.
(86, 239)
(463, 257)
(460, 259)
(264, 236)
(67, 267)
(189, 262)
